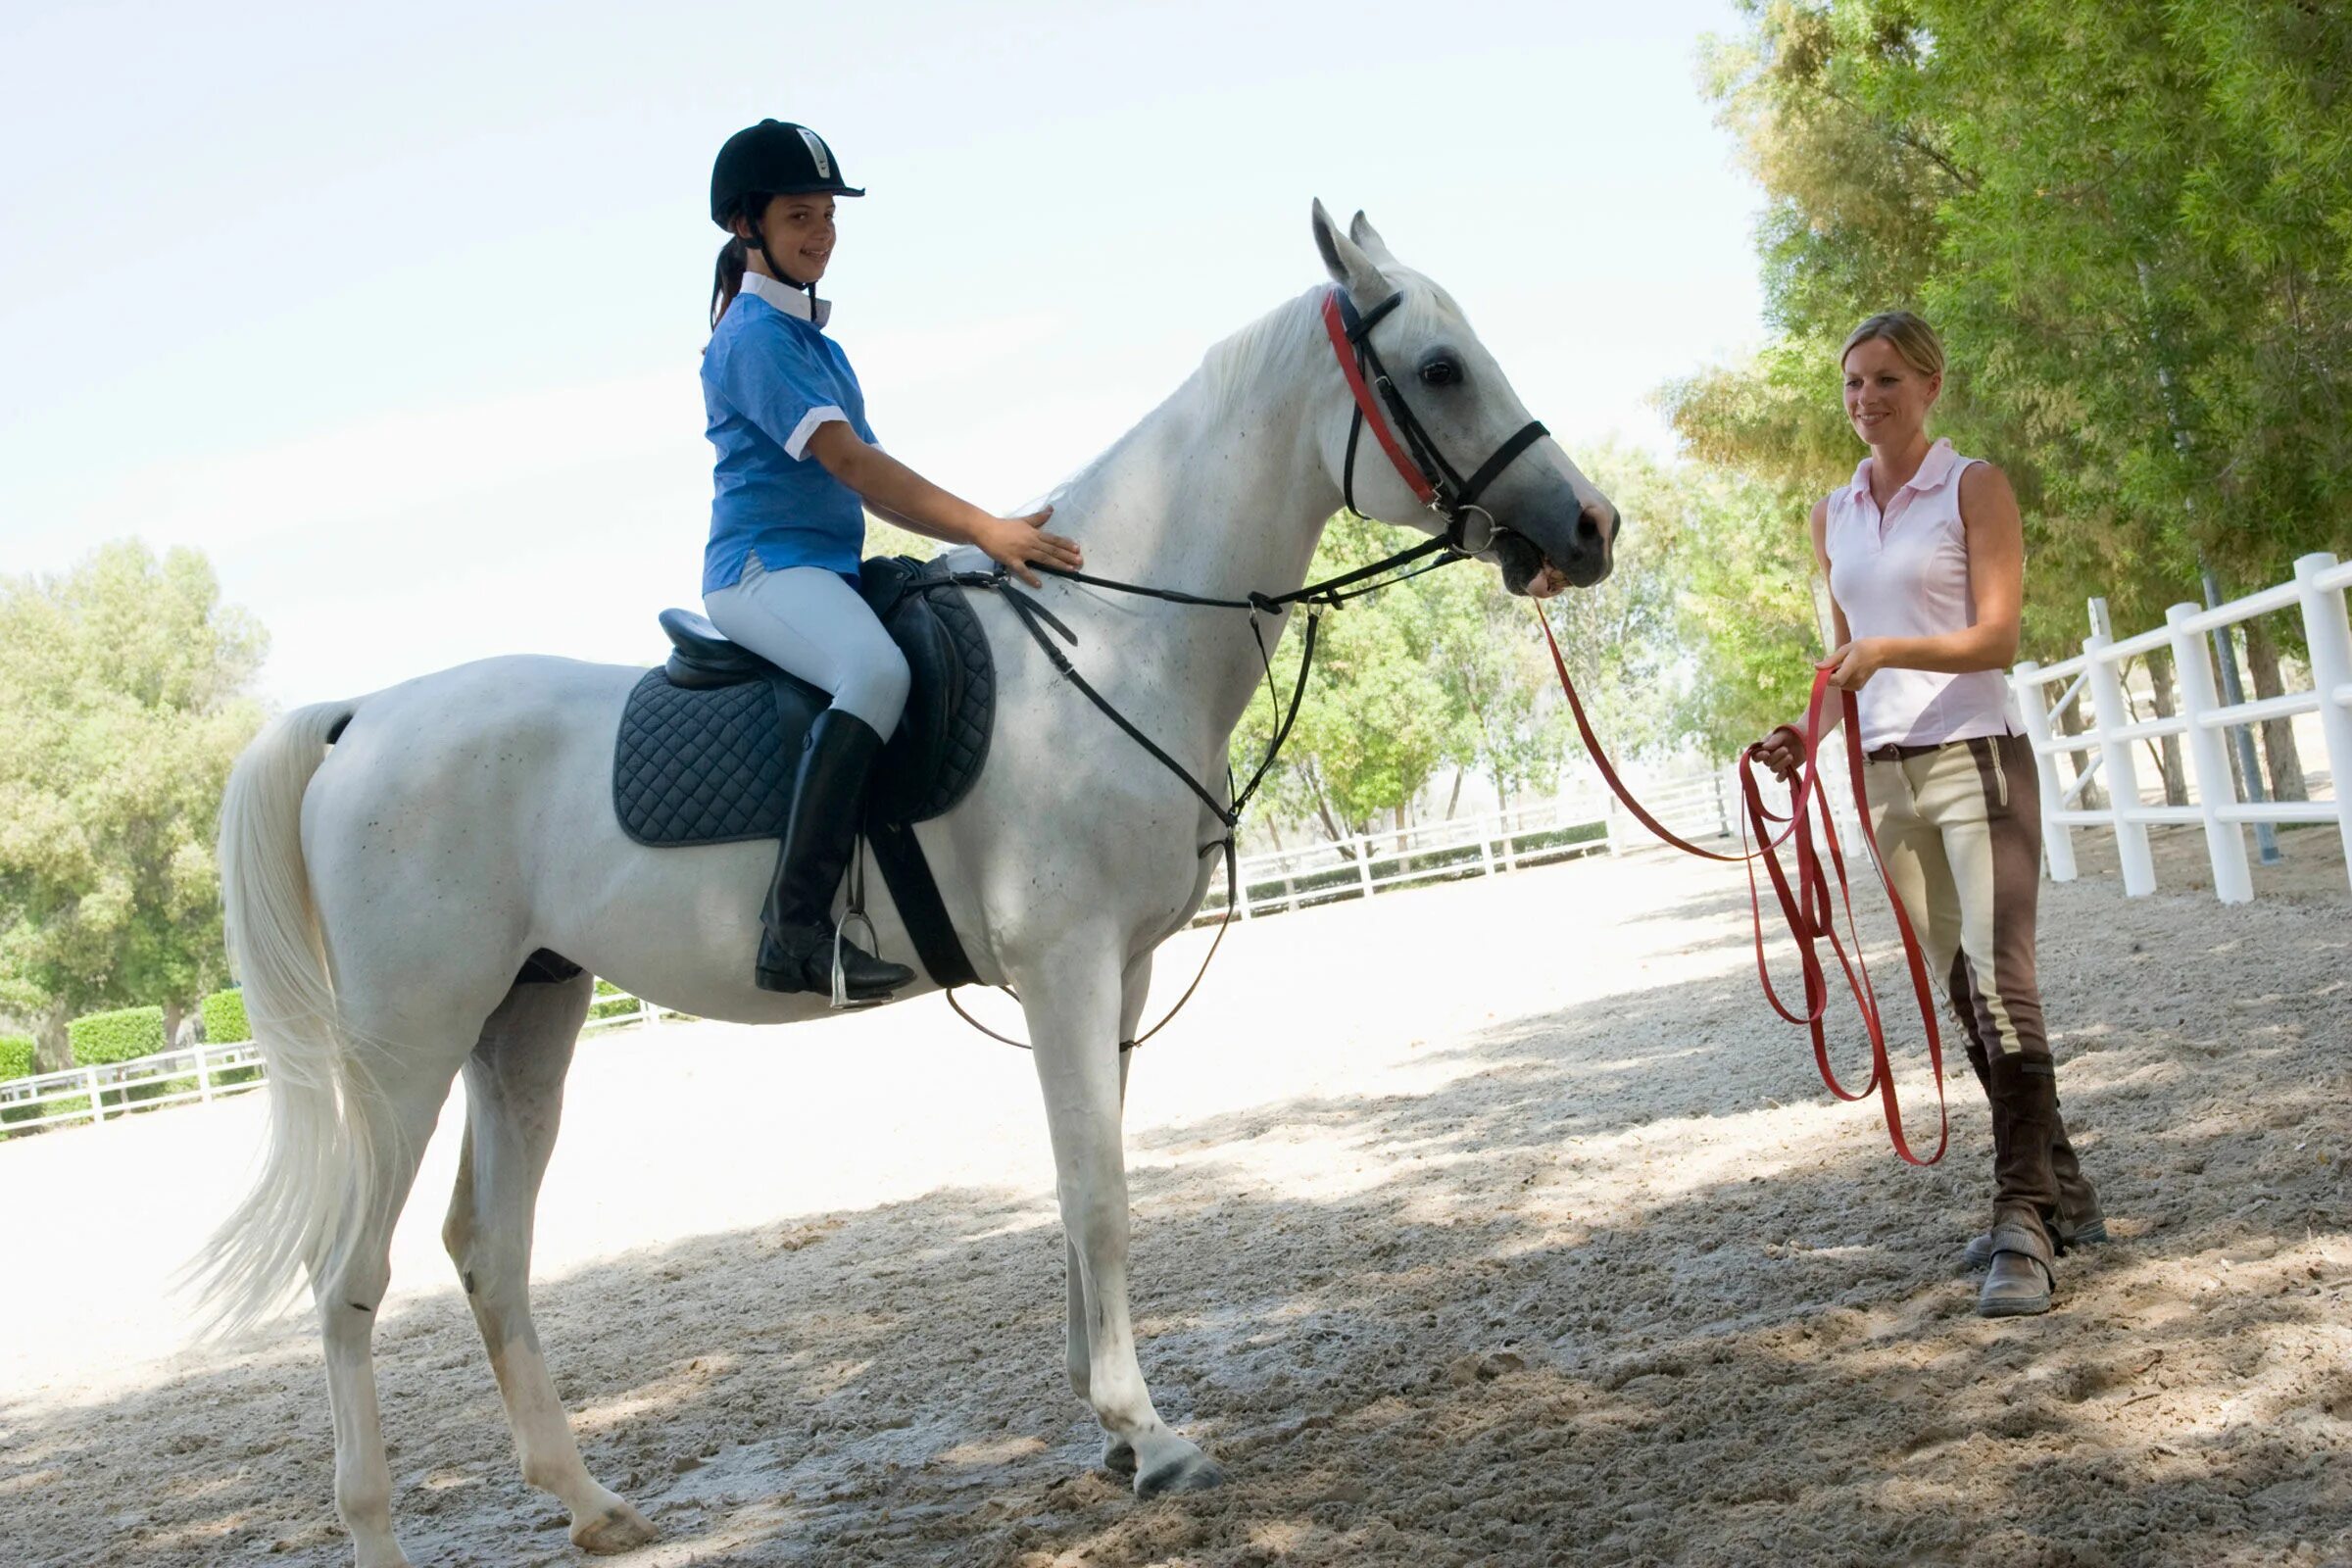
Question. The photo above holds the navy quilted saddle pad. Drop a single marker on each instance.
(709, 742)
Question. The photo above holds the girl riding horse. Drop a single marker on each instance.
(796, 470)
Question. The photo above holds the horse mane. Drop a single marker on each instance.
(1223, 378)
(1235, 364)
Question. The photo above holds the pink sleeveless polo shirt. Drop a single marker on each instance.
(1904, 573)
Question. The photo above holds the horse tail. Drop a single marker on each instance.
(315, 1178)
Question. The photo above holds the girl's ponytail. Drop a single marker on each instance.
(726, 281)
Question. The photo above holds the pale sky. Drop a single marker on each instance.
(396, 312)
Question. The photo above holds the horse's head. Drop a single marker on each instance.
(1457, 425)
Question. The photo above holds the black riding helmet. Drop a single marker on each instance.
(774, 158)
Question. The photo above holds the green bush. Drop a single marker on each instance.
(16, 1061)
(104, 1038)
(223, 1015)
(610, 1001)
(109, 1037)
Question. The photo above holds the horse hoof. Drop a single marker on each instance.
(1193, 1471)
(1118, 1456)
(619, 1528)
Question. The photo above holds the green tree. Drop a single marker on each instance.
(2130, 223)
(1446, 669)
(124, 706)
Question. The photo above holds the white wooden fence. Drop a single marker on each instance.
(199, 1075)
(2318, 592)
(1485, 844)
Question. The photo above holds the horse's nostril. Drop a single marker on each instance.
(1596, 524)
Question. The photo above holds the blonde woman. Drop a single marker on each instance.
(1925, 558)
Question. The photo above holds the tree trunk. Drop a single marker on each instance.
(173, 1014)
(2070, 722)
(1455, 799)
(51, 1050)
(2166, 689)
(1399, 830)
(2280, 759)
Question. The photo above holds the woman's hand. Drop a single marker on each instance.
(1853, 663)
(1013, 543)
(1782, 750)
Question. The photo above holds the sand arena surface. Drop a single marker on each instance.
(1490, 1223)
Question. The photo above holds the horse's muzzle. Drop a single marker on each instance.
(1581, 553)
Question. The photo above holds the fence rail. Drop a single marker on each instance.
(199, 1075)
(2318, 592)
(1488, 844)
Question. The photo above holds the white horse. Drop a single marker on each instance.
(382, 894)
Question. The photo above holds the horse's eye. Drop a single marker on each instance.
(1440, 369)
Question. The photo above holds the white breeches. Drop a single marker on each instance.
(809, 621)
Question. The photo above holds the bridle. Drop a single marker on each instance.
(1435, 482)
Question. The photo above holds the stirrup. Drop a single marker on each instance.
(842, 1001)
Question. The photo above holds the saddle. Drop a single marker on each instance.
(709, 742)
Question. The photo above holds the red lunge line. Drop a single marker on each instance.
(1806, 906)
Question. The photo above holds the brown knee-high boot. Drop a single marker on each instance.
(2024, 1113)
(2080, 1220)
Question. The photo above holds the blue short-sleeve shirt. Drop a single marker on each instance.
(771, 377)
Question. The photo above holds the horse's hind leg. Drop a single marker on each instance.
(350, 1289)
(514, 1100)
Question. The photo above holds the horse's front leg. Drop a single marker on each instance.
(1119, 1456)
(1076, 1009)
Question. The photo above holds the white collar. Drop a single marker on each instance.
(787, 298)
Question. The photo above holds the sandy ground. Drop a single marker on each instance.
(1490, 1223)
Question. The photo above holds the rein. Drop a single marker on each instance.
(1435, 482)
(1806, 906)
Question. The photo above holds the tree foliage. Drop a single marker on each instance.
(2133, 226)
(124, 706)
(1446, 670)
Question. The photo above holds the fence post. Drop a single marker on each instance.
(89, 1075)
(1363, 862)
(1616, 836)
(2208, 761)
(1486, 854)
(2123, 779)
(2329, 637)
(2057, 839)
(204, 1074)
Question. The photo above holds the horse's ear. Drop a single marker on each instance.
(1350, 267)
(1368, 239)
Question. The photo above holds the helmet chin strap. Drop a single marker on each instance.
(759, 238)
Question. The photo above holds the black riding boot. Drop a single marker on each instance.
(796, 945)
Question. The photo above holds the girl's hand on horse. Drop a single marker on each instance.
(1853, 663)
(1015, 543)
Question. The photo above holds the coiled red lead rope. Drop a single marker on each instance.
(1806, 906)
